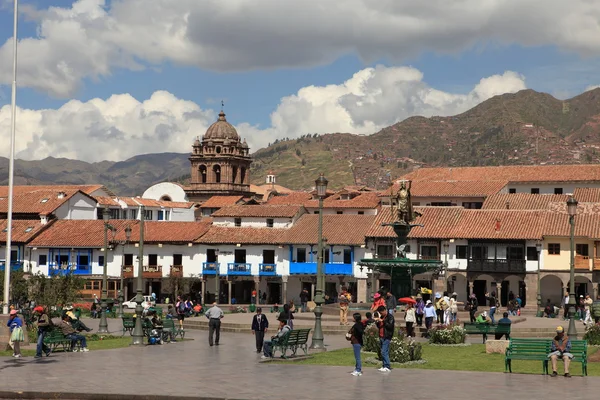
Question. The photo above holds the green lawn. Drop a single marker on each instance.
(468, 358)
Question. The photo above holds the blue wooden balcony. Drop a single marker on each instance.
(239, 268)
(210, 268)
(267, 269)
(14, 265)
(55, 270)
(309, 268)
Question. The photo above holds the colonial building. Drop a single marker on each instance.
(220, 163)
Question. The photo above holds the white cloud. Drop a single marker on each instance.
(121, 126)
(93, 37)
(591, 87)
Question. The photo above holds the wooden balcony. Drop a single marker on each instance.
(498, 265)
(149, 271)
(177, 271)
(127, 271)
(582, 262)
(152, 271)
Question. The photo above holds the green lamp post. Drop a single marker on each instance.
(572, 211)
(317, 337)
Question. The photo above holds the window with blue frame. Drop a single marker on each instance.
(83, 262)
(161, 215)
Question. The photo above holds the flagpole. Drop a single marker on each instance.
(11, 165)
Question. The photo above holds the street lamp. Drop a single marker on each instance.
(538, 247)
(137, 338)
(317, 337)
(572, 211)
(103, 327)
(121, 299)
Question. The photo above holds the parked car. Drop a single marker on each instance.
(132, 304)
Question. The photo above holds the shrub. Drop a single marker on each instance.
(237, 309)
(447, 334)
(592, 335)
(401, 350)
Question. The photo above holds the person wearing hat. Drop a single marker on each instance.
(15, 324)
(561, 347)
(453, 307)
(44, 323)
(588, 309)
(77, 324)
(439, 308)
(483, 319)
(430, 314)
(378, 301)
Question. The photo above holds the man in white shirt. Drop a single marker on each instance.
(214, 315)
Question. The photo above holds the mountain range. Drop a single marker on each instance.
(526, 127)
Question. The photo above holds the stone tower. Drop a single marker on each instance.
(220, 163)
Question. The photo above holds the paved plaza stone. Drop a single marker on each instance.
(233, 371)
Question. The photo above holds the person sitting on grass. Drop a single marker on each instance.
(268, 345)
(561, 347)
(483, 319)
(71, 334)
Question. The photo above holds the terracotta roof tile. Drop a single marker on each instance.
(37, 202)
(338, 229)
(107, 201)
(90, 233)
(522, 201)
(221, 201)
(294, 198)
(459, 223)
(582, 208)
(477, 188)
(586, 225)
(513, 173)
(268, 211)
(87, 189)
(587, 195)
(243, 235)
(22, 230)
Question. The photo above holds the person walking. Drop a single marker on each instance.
(419, 310)
(180, 307)
(304, 299)
(260, 324)
(386, 326)
(410, 318)
(344, 300)
(390, 302)
(214, 315)
(430, 314)
(15, 325)
(472, 305)
(565, 305)
(494, 304)
(356, 339)
(588, 309)
(44, 323)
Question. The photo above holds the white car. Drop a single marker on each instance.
(131, 304)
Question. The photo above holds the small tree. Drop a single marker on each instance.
(56, 290)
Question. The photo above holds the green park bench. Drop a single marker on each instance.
(170, 329)
(486, 329)
(128, 325)
(54, 339)
(538, 350)
(293, 340)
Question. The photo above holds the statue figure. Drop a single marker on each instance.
(404, 211)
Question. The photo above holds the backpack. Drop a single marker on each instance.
(181, 307)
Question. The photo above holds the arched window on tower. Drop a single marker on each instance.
(243, 175)
(233, 174)
(217, 173)
(203, 173)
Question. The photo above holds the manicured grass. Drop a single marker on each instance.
(467, 358)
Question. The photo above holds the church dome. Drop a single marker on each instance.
(221, 130)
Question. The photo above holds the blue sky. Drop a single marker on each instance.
(261, 86)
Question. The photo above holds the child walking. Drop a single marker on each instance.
(356, 338)
(16, 333)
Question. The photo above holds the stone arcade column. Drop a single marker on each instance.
(361, 290)
(203, 289)
(256, 287)
(471, 285)
(228, 291)
(498, 289)
(284, 280)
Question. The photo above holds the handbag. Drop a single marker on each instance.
(349, 335)
(17, 335)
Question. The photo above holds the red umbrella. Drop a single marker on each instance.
(407, 300)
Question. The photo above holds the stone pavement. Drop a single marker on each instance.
(233, 371)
